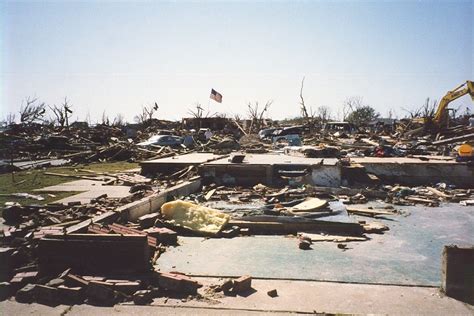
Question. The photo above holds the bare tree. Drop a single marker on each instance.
(427, 110)
(350, 105)
(323, 113)
(88, 118)
(105, 119)
(147, 113)
(256, 115)
(237, 117)
(11, 117)
(119, 120)
(32, 111)
(306, 113)
(198, 112)
(62, 113)
(390, 114)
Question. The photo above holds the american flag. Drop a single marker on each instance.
(216, 96)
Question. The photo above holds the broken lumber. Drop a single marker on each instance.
(453, 140)
(438, 193)
(367, 212)
(293, 227)
(333, 238)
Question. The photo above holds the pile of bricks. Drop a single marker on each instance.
(68, 288)
(111, 261)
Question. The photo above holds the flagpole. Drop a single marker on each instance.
(208, 104)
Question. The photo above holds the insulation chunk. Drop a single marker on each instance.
(194, 217)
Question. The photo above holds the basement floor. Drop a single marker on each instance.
(408, 254)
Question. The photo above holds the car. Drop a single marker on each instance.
(290, 140)
(339, 127)
(266, 133)
(269, 133)
(163, 140)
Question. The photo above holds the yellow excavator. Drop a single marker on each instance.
(441, 116)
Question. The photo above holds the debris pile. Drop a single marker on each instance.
(98, 253)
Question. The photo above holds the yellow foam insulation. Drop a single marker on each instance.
(194, 217)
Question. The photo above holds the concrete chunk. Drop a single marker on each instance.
(243, 284)
(272, 293)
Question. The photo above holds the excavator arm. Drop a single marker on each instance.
(440, 118)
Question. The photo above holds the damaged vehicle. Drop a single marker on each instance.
(163, 140)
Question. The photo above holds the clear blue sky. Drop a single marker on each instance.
(117, 56)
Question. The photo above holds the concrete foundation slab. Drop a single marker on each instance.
(409, 253)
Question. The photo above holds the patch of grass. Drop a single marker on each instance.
(30, 180)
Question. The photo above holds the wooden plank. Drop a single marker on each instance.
(453, 139)
(209, 194)
(279, 228)
(439, 193)
(367, 211)
(421, 200)
(332, 238)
